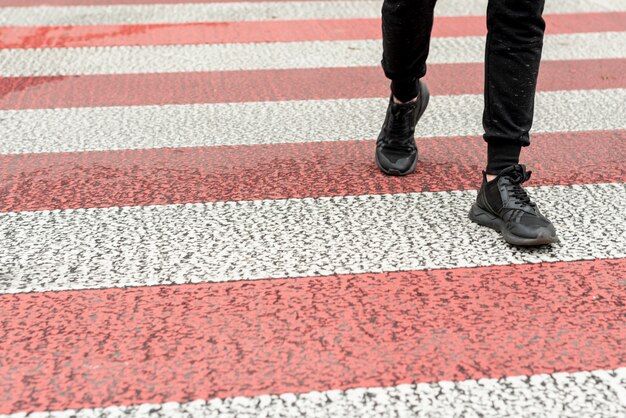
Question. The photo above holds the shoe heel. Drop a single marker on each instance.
(424, 99)
(425, 93)
(484, 218)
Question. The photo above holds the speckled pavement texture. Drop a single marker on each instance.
(192, 225)
(200, 341)
(599, 394)
(282, 171)
(101, 12)
(246, 240)
(280, 55)
(169, 126)
(280, 85)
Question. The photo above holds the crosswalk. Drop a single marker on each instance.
(191, 222)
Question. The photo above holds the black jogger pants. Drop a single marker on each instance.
(512, 56)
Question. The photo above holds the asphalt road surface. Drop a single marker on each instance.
(192, 223)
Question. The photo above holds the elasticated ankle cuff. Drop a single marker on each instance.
(404, 90)
(502, 154)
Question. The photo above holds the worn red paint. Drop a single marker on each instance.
(79, 349)
(278, 85)
(225, 173)
(271, 31)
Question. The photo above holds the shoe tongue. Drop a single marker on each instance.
(517, 173)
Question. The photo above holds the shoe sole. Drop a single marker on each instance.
(425, 94)
(484, 218)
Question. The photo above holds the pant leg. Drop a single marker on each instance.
(513, 52)
(406, 27)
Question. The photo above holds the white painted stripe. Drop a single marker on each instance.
(257, 11)
(276, 55)
(596, 393)
(185, 13)
(137, 127)
(226, 241)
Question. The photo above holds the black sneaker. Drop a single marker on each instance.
(396, 151)
(502, 204)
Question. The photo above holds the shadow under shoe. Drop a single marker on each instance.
(503, 204)
(396, 151)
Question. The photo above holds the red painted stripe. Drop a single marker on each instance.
(79, 349)
(208, 174)
(271, 31)
(193, 33)
(278, 85)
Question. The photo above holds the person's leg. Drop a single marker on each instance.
(512, 56)
(514, 43)
(406, 27)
